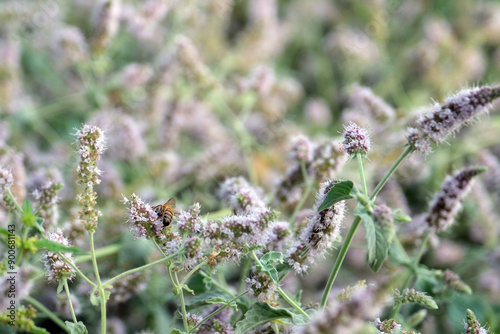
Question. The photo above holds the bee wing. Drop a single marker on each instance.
(171, 202)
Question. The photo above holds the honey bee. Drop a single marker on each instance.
(166, 211)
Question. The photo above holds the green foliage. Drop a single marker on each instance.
(340, 191)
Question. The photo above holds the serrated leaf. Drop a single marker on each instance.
(57, 247)
(340, 191)
(376, 240)
(261, 313)
(78, 328)
(268, 265)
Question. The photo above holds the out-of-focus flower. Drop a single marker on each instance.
(190, 58)
(106, 20)
(90, 145)
(364, 99)
(418, 142)
(63, 307)
(241, 196)
(126, 287)
(413, 296)
(317, 112)
(446, 204)
(263, 288)
(386, 326)
(458, 110)
(356, 140)
(55, 266)
(68, 44)
(6, 180)
(46, 198)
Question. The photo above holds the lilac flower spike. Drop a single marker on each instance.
(56, 267)
(458, 110)
(472, 326)
(446, 204)
(356, 140)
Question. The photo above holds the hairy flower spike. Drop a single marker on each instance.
(143, 218)
(446, 204)
(387, 326)
(454, 282)
(189, 220)
(6, 180)
(46, 198)
(90, 145)
(472, 326)
(241, 196)
(458, 110)
(418, 142)
(356, 140)
(56, 267)
(412, 296)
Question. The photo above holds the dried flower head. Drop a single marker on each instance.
(356, 140)
(446, 204)
(56, 267)
(458, 110)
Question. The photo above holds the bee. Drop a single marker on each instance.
(166, 211)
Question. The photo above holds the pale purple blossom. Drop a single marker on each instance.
(241, 196)
(55, 266)
(6, 180)
(357, 140)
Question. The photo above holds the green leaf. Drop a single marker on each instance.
(60, 287)
(175, 331)
(268, 265)
(78, 328)
(27, 217)
(57, 247)
(201, 300)
(4, 231)
(222, 301)
(376, 240)
(340, 191)
(262, 313)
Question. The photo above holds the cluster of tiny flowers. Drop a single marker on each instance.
(328, 158)
(364, 99)
(6, 180)
(190, 58)
(241, 196)
(279, 236)
(219, 323)
(319, 233)
(472, 326)
(263, 288)
(193, 251)
(356, 140)
(383, 216)
(420, 143)
(386, 326)
(458, 110)
(190, 221)
(454, 282)
(126, 287)
(446, 204)
(56, 267)
(302, 149)
(412, 296)
(143, 219)
(344, 317)
(46, 198)
(90, 145)
(106, 19)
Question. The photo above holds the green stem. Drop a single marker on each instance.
(131, 271)
(68, 294)
(355, 225)
(310, 186)
(359, 157)
(217, 284)
(194, 270)
(280, 291)
(99, 284)
(220, 309)
(47, 312)
(18, 207)
(244, 273)
(105, 251)
(340, 259)
(415, 262)
(183, 303)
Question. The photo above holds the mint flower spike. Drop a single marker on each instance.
(447, 203)
(472, 326)
(56, 267)
(6, 180)
(357, 140)
(458, 110)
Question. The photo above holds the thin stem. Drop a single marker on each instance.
(281, 292)
(47, 312)
(131, 271)
(194, 270)
(310, 185)
(217, 284)
(101, 252)
(183, 303)
(340, 259)
(359, 157)
(415, 262)
(244, 273)
(99, 284)
(355, 225)
(18, 207)
(214, 313)
(68, 294)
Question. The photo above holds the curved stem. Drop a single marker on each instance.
(183, 303)
(355, 225)
(18, 207)
(194, 270)
(68, 294)
(415, 262)
(78, 271)
(99, 284)
(47, 312)
(217, 284)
